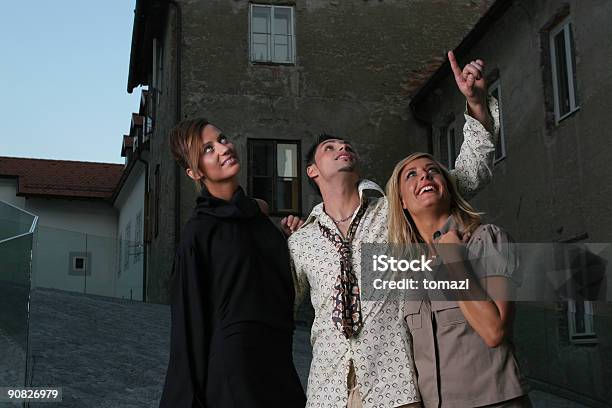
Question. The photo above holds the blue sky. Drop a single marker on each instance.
(63, 79)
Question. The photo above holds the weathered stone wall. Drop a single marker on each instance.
(353, 58)
(550, 185)
(354, 61)
(554, 184)
(161, 249)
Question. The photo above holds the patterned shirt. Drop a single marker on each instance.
(381, 351)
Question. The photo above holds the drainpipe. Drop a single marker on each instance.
(146, 219)
(177, 113)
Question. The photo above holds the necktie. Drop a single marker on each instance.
(346, 314)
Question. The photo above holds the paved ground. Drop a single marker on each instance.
(112, 353)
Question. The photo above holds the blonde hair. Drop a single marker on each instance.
(402, 229)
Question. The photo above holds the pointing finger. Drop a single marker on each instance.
(453, 63)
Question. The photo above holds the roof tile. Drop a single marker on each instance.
(62, 178)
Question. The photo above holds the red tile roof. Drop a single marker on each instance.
(128, 142)
(62, 178)
(137, 120)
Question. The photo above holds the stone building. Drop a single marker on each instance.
(546, 63)
(273, 75)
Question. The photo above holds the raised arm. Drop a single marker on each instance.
(474, 165)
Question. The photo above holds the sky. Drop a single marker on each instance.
(63, 79)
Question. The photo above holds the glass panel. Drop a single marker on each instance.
(260, 52)
(579, 317)
(282, 21)
(13, 221)
(287, 194)
(16, 251)
(261, 31)
(573, 47)
(263, 189)
(261, 20)
(281, 40)
(53, 263)
(286, 160)
(281, 53)
(14, 310)
(261, 158)
(562, 80)
(260, 47)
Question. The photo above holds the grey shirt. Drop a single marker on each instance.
(455, 367)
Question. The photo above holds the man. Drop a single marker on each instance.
(361, 351)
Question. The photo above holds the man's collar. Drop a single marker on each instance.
(361, 187)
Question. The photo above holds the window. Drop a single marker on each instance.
(147, 112)
(271, 29)
(446, 147)
(156, 82)
(563, 65)
(126, 246)
(274, 174)
(580, 319)
(138, 237)
(581, 268)
(500, 147)
(80, 264)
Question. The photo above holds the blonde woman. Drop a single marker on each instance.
(462, 349)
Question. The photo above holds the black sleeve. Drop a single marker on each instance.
(190, 333)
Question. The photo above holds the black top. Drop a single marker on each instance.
(232, 311)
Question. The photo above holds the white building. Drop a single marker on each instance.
(91, 216)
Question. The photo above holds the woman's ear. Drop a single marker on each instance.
(194, 175)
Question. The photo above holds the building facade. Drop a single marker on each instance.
(273, 76)
(91, 229)
(551, 178)
(75, 243)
